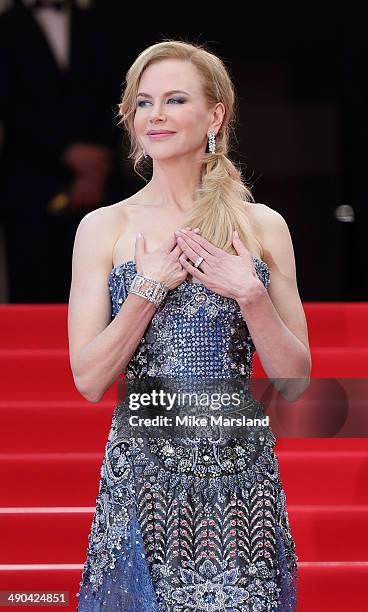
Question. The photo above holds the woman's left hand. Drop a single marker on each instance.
(232, 276)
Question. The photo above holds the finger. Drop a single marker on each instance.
(239, 246)
(210, 248)
(177, 250)
(195, 248)
(191, 254)
(139, 248)
(196, 272)
(169, 244)
(190, 229)
(196, 229)
(172, 242)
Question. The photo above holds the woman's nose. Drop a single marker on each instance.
(157, 113)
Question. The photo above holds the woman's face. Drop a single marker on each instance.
(170, 98)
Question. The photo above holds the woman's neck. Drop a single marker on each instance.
(174, 184)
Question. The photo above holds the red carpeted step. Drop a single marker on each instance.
(325, 533)
(339, 362)
(323, 587)
(333, 587)
(42, 375)
(44, 535)
(55, 479)
(330, 324)
(337, 324)
(319, 477)
(58, 535)
(33, 326)
(49, 427)
(57, 579)
(321, 444)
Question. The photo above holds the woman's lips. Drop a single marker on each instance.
(161, 135)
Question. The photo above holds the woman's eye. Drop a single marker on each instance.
(141, 103)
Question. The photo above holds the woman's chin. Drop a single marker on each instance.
(163, 157)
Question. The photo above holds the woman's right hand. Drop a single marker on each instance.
(162, 265)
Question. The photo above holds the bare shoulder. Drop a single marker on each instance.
(265, 222)
(105, 216)
(274, 236)
(261, 212)
(99, 229)
(272, 232)
(94, 218)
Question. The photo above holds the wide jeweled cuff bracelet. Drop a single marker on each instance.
(152, 290)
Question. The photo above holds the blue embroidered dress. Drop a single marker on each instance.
(189, 524)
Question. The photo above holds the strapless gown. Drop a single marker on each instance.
(189, 523)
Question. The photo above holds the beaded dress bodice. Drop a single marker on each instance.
(195, 331)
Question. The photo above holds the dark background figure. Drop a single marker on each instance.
(300, 138)
(58, 156)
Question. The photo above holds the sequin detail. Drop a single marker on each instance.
(195, 331)
(203, 525)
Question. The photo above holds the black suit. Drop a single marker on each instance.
(44, 109)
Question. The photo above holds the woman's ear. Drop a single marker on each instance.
(218, 116)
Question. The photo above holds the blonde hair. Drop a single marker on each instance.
(221, 203)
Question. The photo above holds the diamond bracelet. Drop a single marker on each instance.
(152, 290)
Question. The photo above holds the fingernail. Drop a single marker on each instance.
(139, 235)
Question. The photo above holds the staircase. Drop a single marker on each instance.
(52, 443)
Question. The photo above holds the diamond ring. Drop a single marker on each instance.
(198, 261)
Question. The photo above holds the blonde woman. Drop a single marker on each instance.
(184, 280)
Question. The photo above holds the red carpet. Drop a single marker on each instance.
(52, 442)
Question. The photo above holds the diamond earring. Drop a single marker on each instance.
(145, 154)
(212, 141)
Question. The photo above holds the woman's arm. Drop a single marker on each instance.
(275, 318)
(100, 348)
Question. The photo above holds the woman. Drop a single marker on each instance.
(186, 522)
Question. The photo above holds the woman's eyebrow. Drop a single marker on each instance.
(167, 93)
